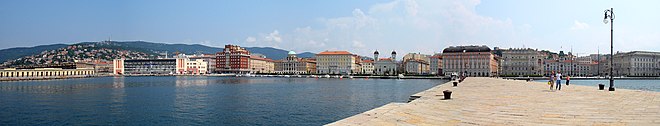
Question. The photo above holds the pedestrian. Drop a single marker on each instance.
(558, 77)
(551, 80)
(568, 80)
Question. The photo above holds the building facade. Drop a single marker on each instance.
(417, 67)
(336, 62)
(470, 61)
(637, 63)
(521, 62)
(261, 65)
(210, 60)
(145, 66)
(191, 66)
(567, 68)
(233, 59)
(435, 64)
(367, 67)
(294, 65)
(416, 64)
(386, 66)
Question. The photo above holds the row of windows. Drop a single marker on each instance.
(44, 73)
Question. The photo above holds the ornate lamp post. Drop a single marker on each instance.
(609, 13)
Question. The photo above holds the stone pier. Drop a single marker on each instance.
(492, 101)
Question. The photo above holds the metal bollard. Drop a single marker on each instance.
(601, 87)
(447, 94)
(455, 83)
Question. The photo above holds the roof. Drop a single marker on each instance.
(368, 61)
(292, 53)
(456, 49)
(335, 53)
(384, 59)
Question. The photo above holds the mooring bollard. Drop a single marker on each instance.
(447, 94)
(601, 87)
(455, 83)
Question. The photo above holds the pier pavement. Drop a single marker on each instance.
(493, 101)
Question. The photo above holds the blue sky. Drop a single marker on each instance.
(357, 26)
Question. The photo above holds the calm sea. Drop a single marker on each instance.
(197, 100)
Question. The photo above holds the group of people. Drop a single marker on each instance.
(555, 79)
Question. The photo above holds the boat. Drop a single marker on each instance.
(327, 76)
(287, 76)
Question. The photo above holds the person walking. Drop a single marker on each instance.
(558, 77)
(551, 80)
(568, 80)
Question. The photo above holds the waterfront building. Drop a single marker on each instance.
(336, 62)
(294, 65)
(416, 64)
(145, 66)
(210, 60)
(637, 63)
(259, 64)
(103, 67)
(567, 67)
(522, 62)
(45, 72)
(367, 67)
(190, 66)
(386, 66)
(233, 59)
(469, 60)
(417, 67)
(435, 64)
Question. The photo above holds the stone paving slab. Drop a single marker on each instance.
(493, 101)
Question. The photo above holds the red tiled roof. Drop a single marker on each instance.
(335, 53)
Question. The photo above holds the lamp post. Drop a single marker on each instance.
(611, 17)
(463, 63)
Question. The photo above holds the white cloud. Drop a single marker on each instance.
(273, 37)
(405, 26)
(250, 39)
(579, 25)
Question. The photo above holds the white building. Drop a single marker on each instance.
(637, 63)
(294, 65)
(386, 66)
(522, 62)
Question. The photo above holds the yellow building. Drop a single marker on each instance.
(260, 64)
(337, 62)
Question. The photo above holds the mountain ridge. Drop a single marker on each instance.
(144, 46)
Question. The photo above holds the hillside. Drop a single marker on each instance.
(58, 53)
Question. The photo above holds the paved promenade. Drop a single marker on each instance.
(490, 101)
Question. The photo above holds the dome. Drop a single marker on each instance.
(292, 53)
(393, 52)
(376, 52)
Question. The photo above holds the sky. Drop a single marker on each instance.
(361, 27)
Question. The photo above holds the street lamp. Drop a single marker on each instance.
(463, 64)
(611, 17)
